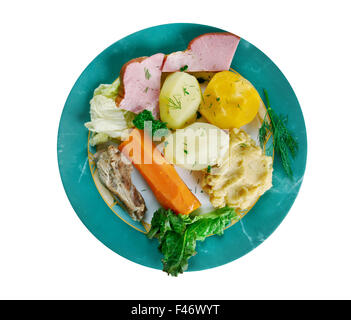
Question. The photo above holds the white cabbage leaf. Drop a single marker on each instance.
(108, 90)
(107, 120)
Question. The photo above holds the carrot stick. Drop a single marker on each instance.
(168, 188)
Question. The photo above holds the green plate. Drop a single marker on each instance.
(120, 237)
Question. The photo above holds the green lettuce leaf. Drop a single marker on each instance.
(178, 234)
(177, 249)
(163, 221)
(212, 223)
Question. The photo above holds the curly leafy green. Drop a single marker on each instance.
(165, 220)
(178, 234)
(159, 128)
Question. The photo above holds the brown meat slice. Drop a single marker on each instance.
(115, 173)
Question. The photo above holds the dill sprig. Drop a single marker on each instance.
(264, 131)
(284, 143)
(174, 103)
(147, 73)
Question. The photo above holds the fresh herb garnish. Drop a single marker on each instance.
(218, 98)
(147, 73)
(177, 234)
(146, 89)
(264, 131)
(185, 151)
(284, 143)
(185, 91)
(146, 115)
(174, 103)
(182, 69)
(209, 169)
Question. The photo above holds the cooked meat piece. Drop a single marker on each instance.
(140, 84)
(115, 173)
(207, 52)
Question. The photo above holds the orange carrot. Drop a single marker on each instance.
(168, 188)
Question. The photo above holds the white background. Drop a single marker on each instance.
(47, 253)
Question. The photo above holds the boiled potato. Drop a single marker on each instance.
(197, 146)
(230, 101)
(180, 98)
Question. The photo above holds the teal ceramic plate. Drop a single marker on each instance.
(120, 236)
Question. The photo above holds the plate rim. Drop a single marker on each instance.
(80, 77)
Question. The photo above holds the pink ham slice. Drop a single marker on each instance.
(140, 84)
(208, 52)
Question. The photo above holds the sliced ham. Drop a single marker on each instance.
(141, 77)
(208, 52)
(140, 84)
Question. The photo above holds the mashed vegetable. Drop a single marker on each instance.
(245, 174)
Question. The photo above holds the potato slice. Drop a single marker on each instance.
(197, 146)
(180, 98)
